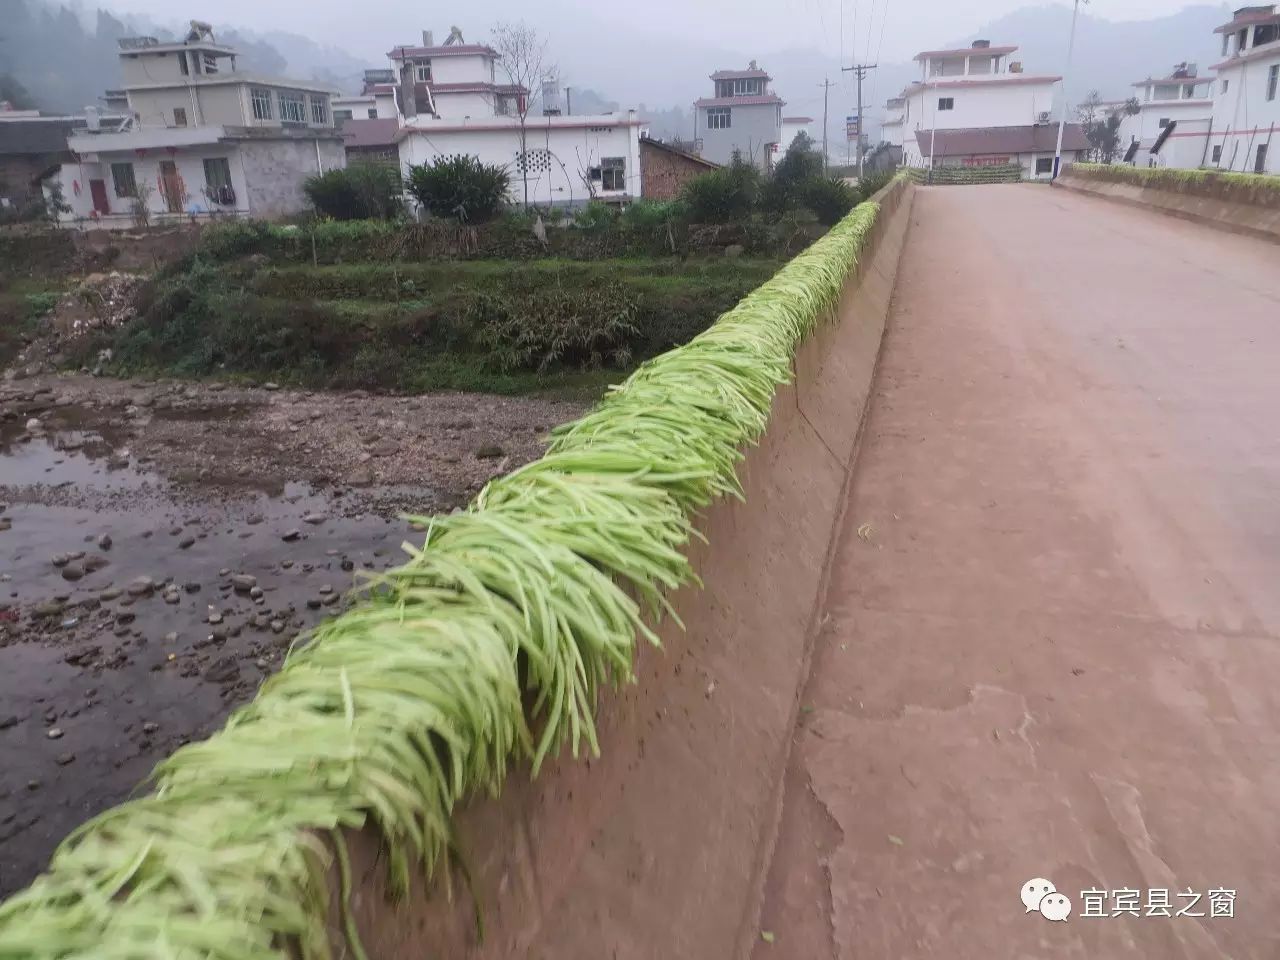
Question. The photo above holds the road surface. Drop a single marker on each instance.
(1050, 642)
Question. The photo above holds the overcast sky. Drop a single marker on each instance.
(368, 28)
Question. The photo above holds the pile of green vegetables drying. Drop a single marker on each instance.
(394, 712)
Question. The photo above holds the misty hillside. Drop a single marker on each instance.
(39, 38)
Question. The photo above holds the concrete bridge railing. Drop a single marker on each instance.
(565, 719)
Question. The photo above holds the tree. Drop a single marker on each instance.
(520, 54)
(1102, 126)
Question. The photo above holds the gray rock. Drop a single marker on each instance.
(65, 758)
(186, 542)
(73, 570)
(95, 561)
(314, 518)
(109, 594)
(223, 671)
(55, 733)
(140, 587)
(104, 542)
(244, 582)
(289, 536)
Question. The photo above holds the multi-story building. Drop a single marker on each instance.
(376, 100)
(974, 106)
(203, 139)
(455, 99)
(1245, 130)
(743, 117)
(1171, 127)
(791, 128)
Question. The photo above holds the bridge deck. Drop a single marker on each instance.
(1051, 636)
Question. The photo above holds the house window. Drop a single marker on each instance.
(261, 100)
(123, 178)
(946, 103)
(1217, 154)
(210, 63)
(217, 179)
(1265, 33)
(1164, 122)
(179, 117)
(293, 108)
(373, 114)
(422, 72)
(1044, 165)
(182, 64)
(1260, 164)
(319, 111)
(1225, 84)
(719, 118)
(342, 115)
(1226, 38)
(613, 173)
(1273, 78)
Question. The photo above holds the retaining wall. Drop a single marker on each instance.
(1209, 200)
(657, 848)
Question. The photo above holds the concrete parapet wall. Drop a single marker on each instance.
(1227, 204)
(657, 848)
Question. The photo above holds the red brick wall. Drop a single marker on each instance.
(663, 173)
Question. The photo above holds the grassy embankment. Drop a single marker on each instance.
(33, 274)
(502, 326)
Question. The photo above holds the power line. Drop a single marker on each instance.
(860, 70)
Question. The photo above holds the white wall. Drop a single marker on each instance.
(573, 151)
(457, 106)
(76, 177)
(1243, 118)
(462, 70)
(992, 104)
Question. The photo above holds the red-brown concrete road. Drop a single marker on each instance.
(1051, 637)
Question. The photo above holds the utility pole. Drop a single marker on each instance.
(826, 85)
(1062, 117)
(860, 70)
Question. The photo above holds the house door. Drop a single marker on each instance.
(1260, 164)
(171, 185)
(98, 190)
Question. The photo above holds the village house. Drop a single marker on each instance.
(1171, 127)
(1246, 98)
(454, 99)
(744, 117)
(791, 128)
(974, 106)
(33, 149)
(203, 140)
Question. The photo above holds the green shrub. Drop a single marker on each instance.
(1262, 189)
(551, 325)
(38, 304)
(234, 238)
(652, 214)
(727, 194)
(595, 216)
(829, 199)
(460, 187)
(360, 191)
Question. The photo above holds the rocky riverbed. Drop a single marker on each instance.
(162, 544)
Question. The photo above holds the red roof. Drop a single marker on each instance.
(981, 141)
(963, 51)
(456, 50)
(1248, 19)
(797, 119)
(370, 133)
(738, 101)
(1004, 81)
(740, 75)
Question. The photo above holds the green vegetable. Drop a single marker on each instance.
(394, 712)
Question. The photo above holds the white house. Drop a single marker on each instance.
(744, 117)
(455, 100)
(203, 139)
(1245, 132)
(791, 126)
(376, 100)
(891, 128)
(974, 106)
(1171, 128)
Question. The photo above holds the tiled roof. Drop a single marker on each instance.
(797, 119)
(456, 50)
(977, 141)
(738, 101)
(478, 86)
(370, 133)
(962, 51)
(1013, 79)
(1242, 20)
(740, 75)
(659, 145)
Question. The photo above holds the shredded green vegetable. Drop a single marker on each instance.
(394, 712)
